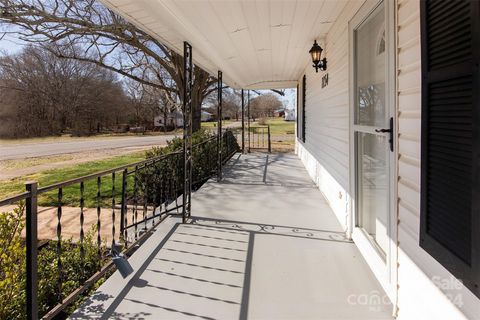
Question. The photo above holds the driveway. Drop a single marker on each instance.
(41, 149)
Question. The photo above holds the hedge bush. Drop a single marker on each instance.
(168, 173)
(13, 268)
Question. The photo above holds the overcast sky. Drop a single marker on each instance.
(7, 44)
(10, 42)
(290, 96)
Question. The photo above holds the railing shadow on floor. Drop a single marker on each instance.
(235, 257)
(279, 178)
(239, 268)
(272, 229)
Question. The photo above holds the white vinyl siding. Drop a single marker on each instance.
(326, 157)
(418, 272)
(326, 150)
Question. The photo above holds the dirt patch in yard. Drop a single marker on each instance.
(71, 226)
(10, 169)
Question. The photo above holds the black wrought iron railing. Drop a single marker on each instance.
(259, 137)
(116, 208)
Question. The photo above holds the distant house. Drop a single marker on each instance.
(279, 113)
(173, 120)
(289, 115)
(121, 128)
(206, 116)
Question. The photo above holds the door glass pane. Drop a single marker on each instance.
(373, 186)
(372, 149)
(370, 71)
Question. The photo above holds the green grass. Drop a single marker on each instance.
(71, 194)
(213, 124)
(277, 125)
(280, 126)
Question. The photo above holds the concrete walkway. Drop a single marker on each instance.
(263, 244)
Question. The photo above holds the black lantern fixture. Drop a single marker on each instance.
(316, 53)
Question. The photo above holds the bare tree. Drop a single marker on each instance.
(148, 102)
(231, 104)
(264, 105)
(44, 95)
(108, 41)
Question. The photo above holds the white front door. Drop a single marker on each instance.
(372, 132)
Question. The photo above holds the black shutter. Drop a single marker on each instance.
(450, 191)
(301, 109)
(298, 112)
(304, 90)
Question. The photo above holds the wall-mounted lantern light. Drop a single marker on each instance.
(316, 53)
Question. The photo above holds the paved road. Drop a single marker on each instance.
(40, 149)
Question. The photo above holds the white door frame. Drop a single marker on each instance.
(384, 270)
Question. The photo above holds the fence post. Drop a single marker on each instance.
(31, 244)
(269, 142)
(123, 207)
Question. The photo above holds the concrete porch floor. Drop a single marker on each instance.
(263, 244)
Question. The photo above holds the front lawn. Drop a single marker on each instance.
(280, 126)
(71, 195)
(213, 124)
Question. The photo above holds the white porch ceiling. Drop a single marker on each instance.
(259, 44)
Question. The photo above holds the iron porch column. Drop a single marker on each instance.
(187, 131)
(243, 122)
(219, 125)
(248, 118)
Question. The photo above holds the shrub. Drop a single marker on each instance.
(12, 265)
(13, 268)
(168, 173)
(163, 181)
(74, 272)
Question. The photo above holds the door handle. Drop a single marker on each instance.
(389, 130)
